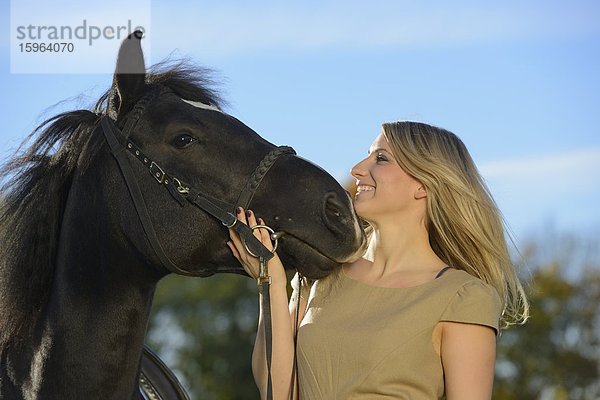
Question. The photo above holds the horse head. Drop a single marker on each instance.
(177, 124)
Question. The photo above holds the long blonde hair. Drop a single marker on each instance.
(466, 229)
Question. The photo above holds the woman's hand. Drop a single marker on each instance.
(249, 262)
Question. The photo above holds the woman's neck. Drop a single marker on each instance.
(403, 247)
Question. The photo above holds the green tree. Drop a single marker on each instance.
(556, 354)
(204, 329)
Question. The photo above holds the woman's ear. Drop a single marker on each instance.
(421, 192)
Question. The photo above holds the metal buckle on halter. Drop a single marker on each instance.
(181, 188)
(263, 272)
(263, 279)
(274, 238)
(263, 269)
(157, 172)
(231, 222)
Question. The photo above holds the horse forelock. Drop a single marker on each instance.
(188, 81)
(185, 80)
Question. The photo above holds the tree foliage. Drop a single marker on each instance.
(556, 354)
(204, 329)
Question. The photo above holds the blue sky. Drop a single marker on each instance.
(519, 82)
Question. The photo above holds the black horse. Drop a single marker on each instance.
(78, 268)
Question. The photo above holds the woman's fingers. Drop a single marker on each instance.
(237, 241)
(237, 246)
(234, 250)
(249, 269)
(251, 223)
(249, 262)
(240, 215)
(265, 236)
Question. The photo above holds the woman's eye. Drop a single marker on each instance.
(183, 141)
(380, 157)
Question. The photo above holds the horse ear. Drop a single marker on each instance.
(129, 79)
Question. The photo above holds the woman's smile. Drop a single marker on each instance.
(361, 188)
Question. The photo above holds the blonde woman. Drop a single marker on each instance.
(417, 317)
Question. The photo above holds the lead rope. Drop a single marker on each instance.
(294, 383)
(264, 281)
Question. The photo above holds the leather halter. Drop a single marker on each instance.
(120, 144)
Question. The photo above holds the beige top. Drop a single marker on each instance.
(366, 342)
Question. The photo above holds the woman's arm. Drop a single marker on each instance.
(283, 345)
(282, 342)
(468, 354)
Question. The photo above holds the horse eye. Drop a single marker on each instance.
(183, 141)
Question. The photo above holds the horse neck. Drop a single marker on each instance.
(93, 328)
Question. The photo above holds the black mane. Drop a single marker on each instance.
(35, 186)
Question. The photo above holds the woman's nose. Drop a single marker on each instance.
(359, 169)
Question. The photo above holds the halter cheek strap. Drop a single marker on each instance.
(117, 150)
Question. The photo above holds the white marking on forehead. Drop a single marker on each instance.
(204, 106)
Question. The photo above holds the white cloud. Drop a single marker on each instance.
(547, 179)
(582, 163)
(563, 189)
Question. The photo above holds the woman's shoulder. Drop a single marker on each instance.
(462, 284)
(457, 278)
(471, 300)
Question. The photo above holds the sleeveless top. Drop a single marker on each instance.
(358, 341)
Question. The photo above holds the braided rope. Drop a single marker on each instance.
(259, 173)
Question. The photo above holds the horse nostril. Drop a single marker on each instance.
(333, 211)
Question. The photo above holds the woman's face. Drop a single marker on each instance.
(384, 190)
